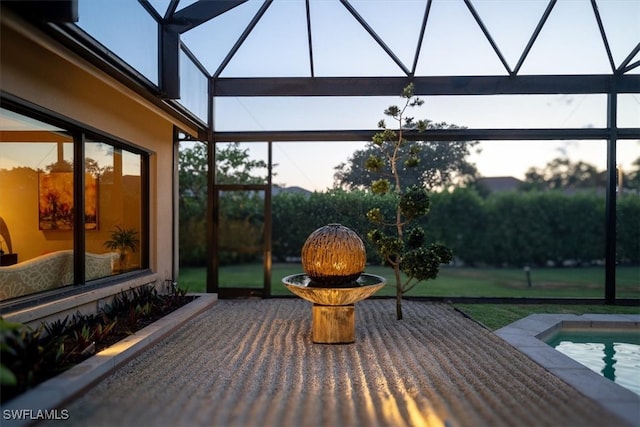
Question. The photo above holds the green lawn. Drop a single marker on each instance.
(565, 282)
(472, 282)
(495, 316)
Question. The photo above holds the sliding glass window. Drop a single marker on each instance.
(114, 198)
(38, 213)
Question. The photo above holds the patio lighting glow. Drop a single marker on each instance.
(333, 254)
(333, 258)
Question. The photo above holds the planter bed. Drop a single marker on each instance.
(53, 393)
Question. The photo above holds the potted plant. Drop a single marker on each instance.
(123, 240)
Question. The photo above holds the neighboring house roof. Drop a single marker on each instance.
(497, 184)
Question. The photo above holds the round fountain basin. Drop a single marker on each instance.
(344, 294)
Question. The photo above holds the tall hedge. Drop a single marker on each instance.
(296, 215)
(628, 230)
(505, 229)
(537, 228)
(458, 220)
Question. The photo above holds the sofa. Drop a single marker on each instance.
(50, 271)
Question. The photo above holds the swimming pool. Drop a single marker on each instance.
(613, 354)
(530, 336)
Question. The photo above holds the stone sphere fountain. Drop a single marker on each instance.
(333, 260)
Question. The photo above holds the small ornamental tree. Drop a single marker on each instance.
(401, 244)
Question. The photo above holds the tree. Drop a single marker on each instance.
(403, 248)
(60, 166)
(233, 166)
(631, 178)
(192, 178)
(562, 173)
(439, 164)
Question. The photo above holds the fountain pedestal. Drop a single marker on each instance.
(333, 324)
(333, 312)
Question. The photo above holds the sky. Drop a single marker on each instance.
(311, 165)
(40, 155)
(453, 44)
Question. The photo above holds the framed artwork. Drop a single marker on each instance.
(55, 201)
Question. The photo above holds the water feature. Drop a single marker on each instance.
(338, 294)
(333, 259)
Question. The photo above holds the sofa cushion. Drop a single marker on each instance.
(50, 271)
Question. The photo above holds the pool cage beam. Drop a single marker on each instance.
(174, 23)
(611, 199)
(548, 84)
(452, 85)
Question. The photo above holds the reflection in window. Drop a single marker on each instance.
(118, 189)
(38, 216)
(36, 183)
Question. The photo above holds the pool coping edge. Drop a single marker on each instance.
(527, 336)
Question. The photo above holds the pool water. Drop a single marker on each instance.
(612, 354)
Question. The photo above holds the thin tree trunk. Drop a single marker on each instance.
(399, 304)
(396, 271)
(399, 226)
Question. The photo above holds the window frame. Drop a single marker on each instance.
(80, 133)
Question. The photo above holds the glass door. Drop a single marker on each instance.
(242, 255)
